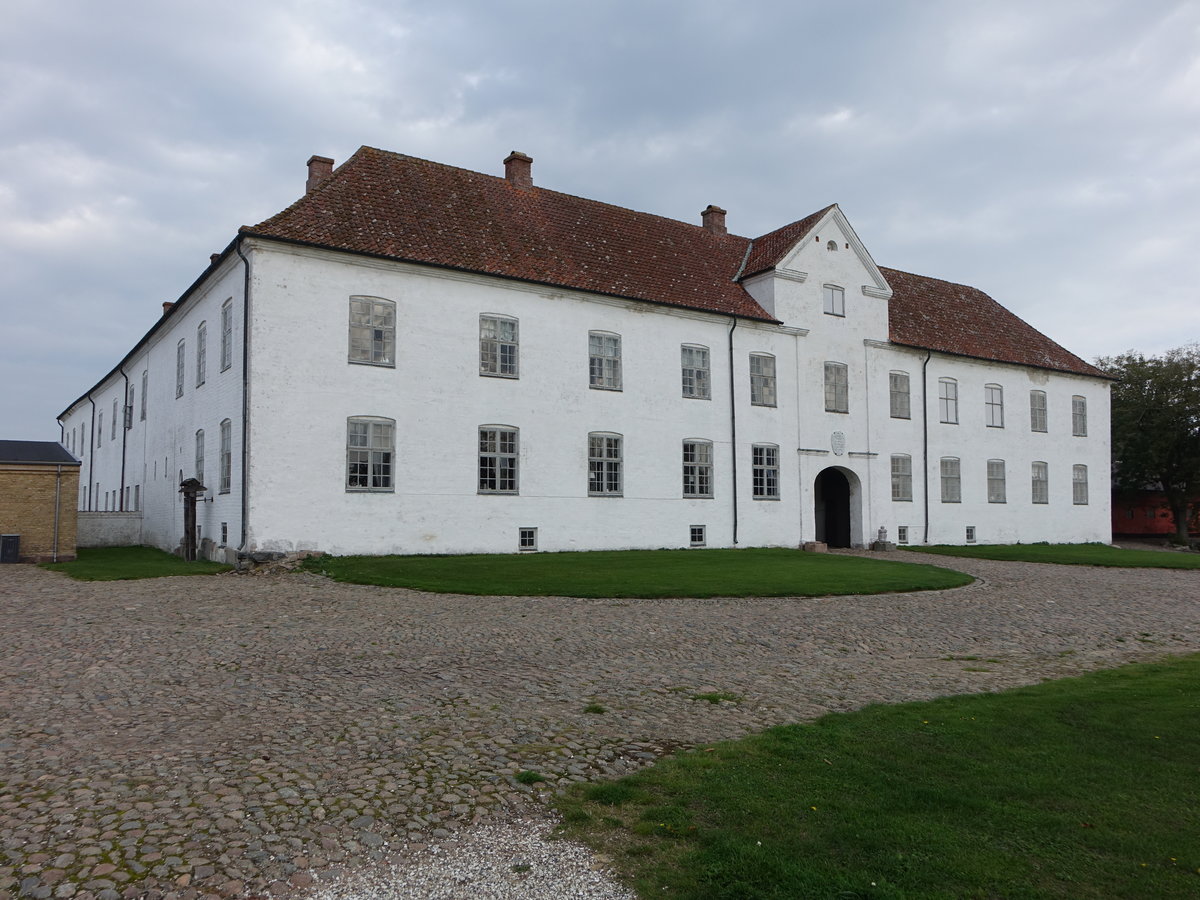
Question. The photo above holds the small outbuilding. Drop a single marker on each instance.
(39, 484)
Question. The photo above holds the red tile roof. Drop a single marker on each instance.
(390, 205)
(954, 318)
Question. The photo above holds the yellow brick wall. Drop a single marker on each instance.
(27, 509)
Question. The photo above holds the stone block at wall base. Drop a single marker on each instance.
(815, 547)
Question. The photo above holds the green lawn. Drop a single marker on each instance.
(122, 563)
(1070, 555)
(642, 573)
(1081, 788)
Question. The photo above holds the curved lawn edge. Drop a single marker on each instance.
(643, 574)
(1102, 555)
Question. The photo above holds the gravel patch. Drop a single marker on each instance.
(233, 736)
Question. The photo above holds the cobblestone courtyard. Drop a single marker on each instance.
(233, 735)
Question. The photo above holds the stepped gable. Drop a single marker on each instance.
(932, 314)
(396, 206)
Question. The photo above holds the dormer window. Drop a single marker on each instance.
(835, 300)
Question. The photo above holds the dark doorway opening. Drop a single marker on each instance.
(833, 508)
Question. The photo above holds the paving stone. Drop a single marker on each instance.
(229, 735)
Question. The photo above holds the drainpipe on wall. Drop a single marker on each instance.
(91, 451)
(124, 438)
(733, 429)
(243, 549)
(57, 508)
(925, 439)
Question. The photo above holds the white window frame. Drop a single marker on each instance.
(951, 477)
(226, 334)
(113, 435)
(899, 395)
(948, 401)
(606, 459)
(997, 481)
(695, 372)
(370, 454)
(1079, 416)
(199, 467)
(762, 380)
(1038, 418)
(837, 387)
(902, 478)
(697, 536)
(764, 471)
(99, 428)
(1040, 482)
(527, 539)
(697, 468)
(226, 458)
(901, 534)
(372, 332)
(499, 346)
(970, 535)
(201, 353)
(145, 383)
(499, 459)
(604, 361)
(180, 358)
(834, 299)
(993, 402)
(1079, 485)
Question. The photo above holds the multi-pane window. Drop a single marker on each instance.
(948, 400)
(1040, 482)
(498, 450)
(113, 425)
(226, 334)
(180, 352)
(696, 535)
(201, 352)
(498, 346)
(900, 401)
(902, 477)
(226, 459)
(372, 331)
(145, 382)
(993, 402)
(835, 300)
(128, 411)
(996, 487)
(604, 465)
(764, 470)
(604, 361)
(694, 366)
(1079, 416)
(951, 480)
(370, 445)
(200, 456)
(901, 534)
(99, 428)
(1079, 485)
(527, 538)
(837, 387)
(762, 379)
(1037, 410)
(697, 469)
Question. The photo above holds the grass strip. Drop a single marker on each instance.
(1083, 788)
(1070, 555)
(642, 573)
(127, 563)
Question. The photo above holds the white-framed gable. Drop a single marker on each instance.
(813, 251)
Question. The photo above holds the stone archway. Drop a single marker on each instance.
(836, 507)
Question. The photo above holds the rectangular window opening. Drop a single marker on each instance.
(527, 538)
(970, 534)
(697, 535)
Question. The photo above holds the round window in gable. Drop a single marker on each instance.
(832, 245)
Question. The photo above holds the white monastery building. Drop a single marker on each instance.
(417, 358)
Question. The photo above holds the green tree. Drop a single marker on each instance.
(1156, 426)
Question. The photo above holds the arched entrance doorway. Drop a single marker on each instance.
(836, 496)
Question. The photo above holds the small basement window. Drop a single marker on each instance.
(527, 539)
(698, 535)
(970, 534)
(901, 534)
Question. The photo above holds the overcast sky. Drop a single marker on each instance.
(1045, 152)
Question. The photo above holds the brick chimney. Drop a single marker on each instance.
(213, 257)
(167, 305)
(714, 219)
(319, 168)
(517, 169)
